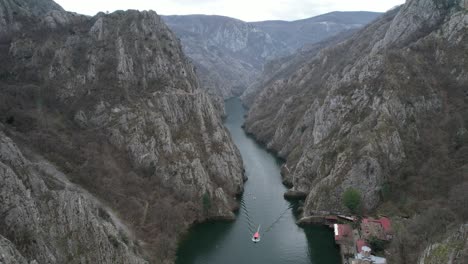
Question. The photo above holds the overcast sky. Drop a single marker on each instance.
(247, 10)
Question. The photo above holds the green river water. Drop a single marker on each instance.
(262, 203)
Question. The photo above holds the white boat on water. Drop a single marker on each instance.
(256, 236)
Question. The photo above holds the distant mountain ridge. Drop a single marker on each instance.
(230, 54)
(296, 34)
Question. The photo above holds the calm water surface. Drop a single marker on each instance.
(262, 204)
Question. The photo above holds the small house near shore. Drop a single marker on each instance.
(343, 233)
(364, 257)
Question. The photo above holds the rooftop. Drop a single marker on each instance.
(342, 231)
(380, 228)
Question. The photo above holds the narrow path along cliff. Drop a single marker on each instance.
(261, 204)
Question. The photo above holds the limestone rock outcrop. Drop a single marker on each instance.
(382, 112)
(453, 250)
(362, 113)
(52, 220)
(227, 52)
(114, 106)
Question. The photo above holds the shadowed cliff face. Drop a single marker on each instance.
(230, 54)
(114, 105)
(280, 68)
(383, 112)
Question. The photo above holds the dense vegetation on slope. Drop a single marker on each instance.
(385, 113)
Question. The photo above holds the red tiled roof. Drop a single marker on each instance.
(380, 228)
(342, 231)
(370, 220)
(386, 224)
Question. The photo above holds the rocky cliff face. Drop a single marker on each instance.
(50, 220)
(383, 112)
(230, 54)
(109, 103)
(10, 10)
(453, 249)
(280, 68)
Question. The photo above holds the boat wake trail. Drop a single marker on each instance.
(248, 220)
(278, 219)
(251, 226)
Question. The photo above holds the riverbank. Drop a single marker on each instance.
(358, 238)
(262, 203)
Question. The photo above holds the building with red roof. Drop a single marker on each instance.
(386, 224)
(379, 228)
(342, 232)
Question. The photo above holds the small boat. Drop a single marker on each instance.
(256, 236)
